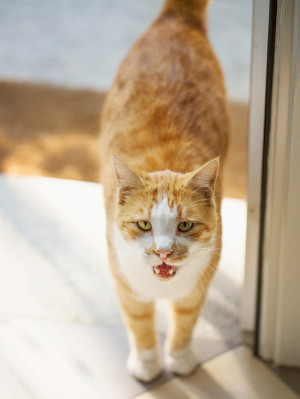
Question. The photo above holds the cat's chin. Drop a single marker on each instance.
(164, 271)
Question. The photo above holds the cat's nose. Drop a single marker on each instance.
(163, 253)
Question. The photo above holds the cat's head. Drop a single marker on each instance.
(167, 217)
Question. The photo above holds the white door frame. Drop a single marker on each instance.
(279, 327)
(271, 297)
(260, 33)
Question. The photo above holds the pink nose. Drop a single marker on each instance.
(163, 253)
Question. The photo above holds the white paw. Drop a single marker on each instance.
(144, 364)
(182, 362)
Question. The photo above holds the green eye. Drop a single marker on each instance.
(185, 226)
(144, 225)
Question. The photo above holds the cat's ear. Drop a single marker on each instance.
(206, 176)
(127, 178)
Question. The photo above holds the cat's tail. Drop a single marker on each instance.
(191, 11)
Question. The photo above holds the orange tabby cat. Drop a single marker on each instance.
(166, 118)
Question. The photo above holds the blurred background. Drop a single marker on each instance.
(58, 59)
(76, 43)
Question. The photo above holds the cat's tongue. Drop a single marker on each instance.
(164, 270)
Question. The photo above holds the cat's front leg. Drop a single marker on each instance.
(179, 356)
(144, 364)
(144, 361)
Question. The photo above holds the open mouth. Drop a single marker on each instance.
(164, 270)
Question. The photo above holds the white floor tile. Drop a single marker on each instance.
(53, 258)
(50, 359)
(234, 375)
(57, 360)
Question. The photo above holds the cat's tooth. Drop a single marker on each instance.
(171, 271)
(157, 269)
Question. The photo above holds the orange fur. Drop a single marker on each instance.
(166, 116)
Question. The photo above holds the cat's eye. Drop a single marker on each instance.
(185, 226)
(144, 225)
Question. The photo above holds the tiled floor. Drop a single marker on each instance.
(53, 259)
(63, 360)
(61, 332)
(233, 375)
(46, 360)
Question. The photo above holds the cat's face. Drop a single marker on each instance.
(167, 218)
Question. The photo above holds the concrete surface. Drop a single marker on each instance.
(81, 43)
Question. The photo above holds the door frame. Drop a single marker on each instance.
(258, 90)
(271, 296)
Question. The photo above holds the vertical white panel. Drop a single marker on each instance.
(260, 28)
(280, 313)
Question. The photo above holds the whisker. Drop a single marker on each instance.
(195, 191)
(211, 263)
(212, 250)
(197, 200)
(186, 198)
(187, 206)
(143, 201)
(202, 275)
(211, 268)
(205, 302)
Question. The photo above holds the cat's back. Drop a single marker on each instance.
(167, 107)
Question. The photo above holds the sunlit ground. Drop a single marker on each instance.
(54, 132)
